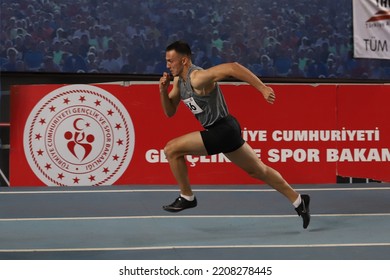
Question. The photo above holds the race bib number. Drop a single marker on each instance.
(191, 104)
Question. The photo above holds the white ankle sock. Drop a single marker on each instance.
(297, 202)
(188, 197)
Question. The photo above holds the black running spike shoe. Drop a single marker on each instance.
(180, 204)
(303, 210)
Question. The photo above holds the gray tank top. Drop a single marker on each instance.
(207, 109)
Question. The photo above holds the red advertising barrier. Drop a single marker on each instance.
(111, 134)
(363, 114)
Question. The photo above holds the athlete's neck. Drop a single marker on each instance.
(186, 68)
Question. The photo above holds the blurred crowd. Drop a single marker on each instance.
(311, 39)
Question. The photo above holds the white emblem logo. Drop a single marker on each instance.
(79, 135)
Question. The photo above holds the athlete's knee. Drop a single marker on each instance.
(269, 175)
(171, 150)
(168, 150)
(259, 172)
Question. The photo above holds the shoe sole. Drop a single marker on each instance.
(174, 210)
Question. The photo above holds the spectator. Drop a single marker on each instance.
(215, 57)
(109, 62)
(311, 29)
(294, 71)
(82, 30)
(282, 60)
(60, 35)
(48, 65)
(74, 62)
(84, 45)
(302, 59)
(92, 62)
(93, 38)
(216, 41)
(130, 67)
(10, 62)
(34, 56)
(4, 49)
(47, 30)
(266, 68)
(57, 51)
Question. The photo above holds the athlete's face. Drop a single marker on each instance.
(175, 62)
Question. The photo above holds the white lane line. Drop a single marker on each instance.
(189, 217)
(73, 191)
(46, 250)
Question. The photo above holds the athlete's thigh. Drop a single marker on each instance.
(188, 144)
(246, 158)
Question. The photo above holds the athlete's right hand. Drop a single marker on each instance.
(165, 80)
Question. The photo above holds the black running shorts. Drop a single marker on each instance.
(224, 136)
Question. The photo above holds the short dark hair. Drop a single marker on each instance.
(180, 47)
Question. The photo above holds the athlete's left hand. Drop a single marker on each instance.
(268, 94)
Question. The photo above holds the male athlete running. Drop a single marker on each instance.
(199, 90)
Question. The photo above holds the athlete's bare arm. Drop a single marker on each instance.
(170, 101)
(203, 80)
